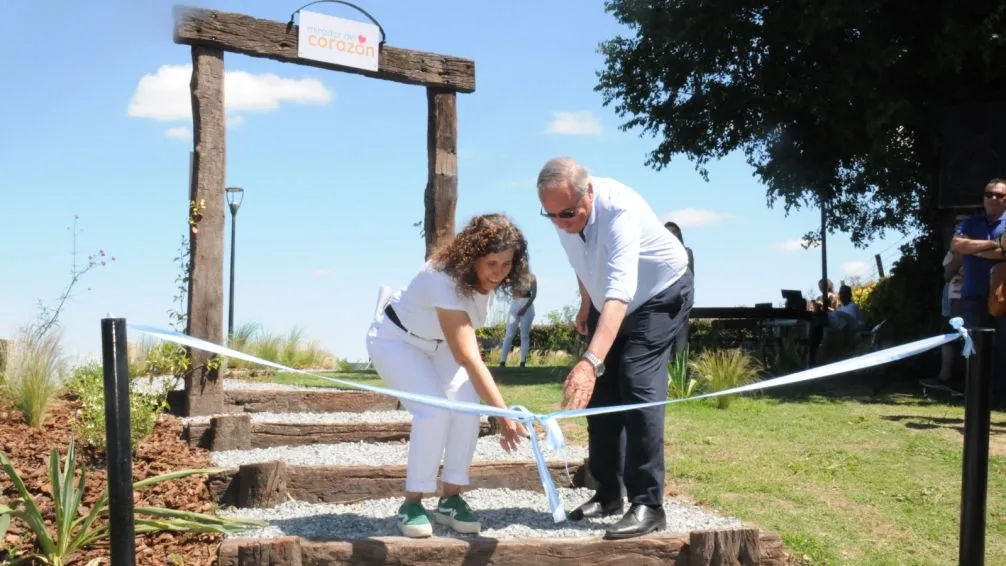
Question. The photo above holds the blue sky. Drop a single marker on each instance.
(96, 122)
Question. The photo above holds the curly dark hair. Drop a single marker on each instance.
(485, 234)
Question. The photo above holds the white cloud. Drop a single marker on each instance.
(575, 124)
(235, 121)
(856, 269)
(321, 272)
(179, 133)
(695, 217)
(165, 96)
(792, 245)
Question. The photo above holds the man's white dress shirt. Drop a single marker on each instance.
(624, 251)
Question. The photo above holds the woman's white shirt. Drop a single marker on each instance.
(429, 290)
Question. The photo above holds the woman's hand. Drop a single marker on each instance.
(510, 433)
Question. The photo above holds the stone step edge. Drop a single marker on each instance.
(237, 431)
(746, 546)
(322, 400)
(267, 484)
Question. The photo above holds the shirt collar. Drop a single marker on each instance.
(593, 210)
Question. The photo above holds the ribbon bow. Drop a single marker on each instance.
(969, 345)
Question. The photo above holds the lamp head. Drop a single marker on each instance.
(234, 196)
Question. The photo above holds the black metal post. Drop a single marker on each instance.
(230, 301)
(119, 452)
(880, 265)
(974, 482)
(824, 253)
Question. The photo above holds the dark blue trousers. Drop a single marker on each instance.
(628, 447)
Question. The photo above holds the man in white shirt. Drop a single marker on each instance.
(636, 292)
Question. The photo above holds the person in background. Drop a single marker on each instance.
(521, 316)
(977, 239)
(822, 308)
(673, 228)
(847, 316)
(950, 306)
(681, 340)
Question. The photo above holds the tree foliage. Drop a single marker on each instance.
(837, 99)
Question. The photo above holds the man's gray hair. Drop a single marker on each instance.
(564, 169)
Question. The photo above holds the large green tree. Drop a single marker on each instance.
(832, 98)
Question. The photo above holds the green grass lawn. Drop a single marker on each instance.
(845, 477)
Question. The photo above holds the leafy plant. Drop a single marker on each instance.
(73, 530)
(167, 358)
(145, 407)
(680, 383)
(177, 313)
(34, 371)
(725, 369)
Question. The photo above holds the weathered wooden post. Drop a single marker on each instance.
(203, 388)
(442, 155)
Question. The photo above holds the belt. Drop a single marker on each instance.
(393, 317)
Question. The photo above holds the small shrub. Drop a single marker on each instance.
(145, 407)
(167, 358)
(680, 383)
(138, 353)
(535, 358)
(292, 351)
(558, 337)
(34, 373)
(725, 369)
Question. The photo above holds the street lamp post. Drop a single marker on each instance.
(234, 196)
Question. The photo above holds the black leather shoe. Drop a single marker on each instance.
(638, 520)
(596, 507)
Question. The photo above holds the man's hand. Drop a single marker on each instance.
(579, 386)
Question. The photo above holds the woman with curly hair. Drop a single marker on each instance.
(424, 342)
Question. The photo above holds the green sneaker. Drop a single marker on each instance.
(455, 513)
(412, 520)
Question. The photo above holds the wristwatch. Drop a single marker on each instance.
(595, 362)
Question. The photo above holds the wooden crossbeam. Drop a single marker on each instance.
(271, 39)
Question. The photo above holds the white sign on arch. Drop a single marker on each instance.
(338, 41)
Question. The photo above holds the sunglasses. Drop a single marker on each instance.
(564, 214)
(997, 196)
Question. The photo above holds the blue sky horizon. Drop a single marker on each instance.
(334, 168)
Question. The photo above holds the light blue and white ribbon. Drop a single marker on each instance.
(553, 433)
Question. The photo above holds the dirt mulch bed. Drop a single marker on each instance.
(163, 451)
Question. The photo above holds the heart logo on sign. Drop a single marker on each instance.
(362, 38)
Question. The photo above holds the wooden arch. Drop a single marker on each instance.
(211, 33)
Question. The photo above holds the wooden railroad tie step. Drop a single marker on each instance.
(320, 400)
(238, 432)
(267, 484)
(729, 547)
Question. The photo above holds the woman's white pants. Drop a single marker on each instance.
(416, 365)
(512, 323)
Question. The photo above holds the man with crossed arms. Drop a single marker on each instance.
(636, 292)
